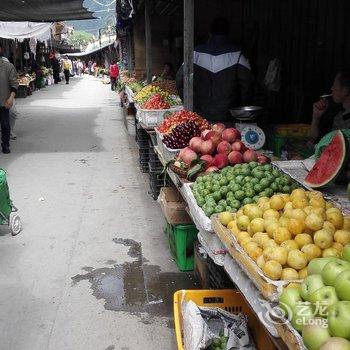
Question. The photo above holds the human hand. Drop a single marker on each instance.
(8, 103)
(319, 108)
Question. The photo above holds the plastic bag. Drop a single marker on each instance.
(212, 328)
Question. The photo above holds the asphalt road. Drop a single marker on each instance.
(91, 269)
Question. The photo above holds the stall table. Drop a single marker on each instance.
(259, 305)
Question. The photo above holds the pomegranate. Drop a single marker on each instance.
(208, 159)
(231, 135)
(235, 157)
(239, 146)
(263, 159)
(250, 156)
(221, 160)
(212, 169)
(204, 132)
(207, 147)
(224, 147)
(219, 127)
(195, 144)
(213, 136)
(187, 156)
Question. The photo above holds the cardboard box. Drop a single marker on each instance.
(173, 206)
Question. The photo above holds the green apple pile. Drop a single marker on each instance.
(319, 307)
(236, 186)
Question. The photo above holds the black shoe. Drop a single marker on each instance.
(5, 149)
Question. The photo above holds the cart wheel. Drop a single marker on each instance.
(15, 224)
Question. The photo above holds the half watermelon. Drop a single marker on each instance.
(330, 163)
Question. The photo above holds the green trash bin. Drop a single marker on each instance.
(5, 201)
(181, 242)
(8, 212)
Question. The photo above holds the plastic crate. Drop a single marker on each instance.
(210, 275)
(153, 157)
(154, 117)
(181, 242)
(144, 167)
(292, 130)
(155, 166)
(143, 143)
(227, 299)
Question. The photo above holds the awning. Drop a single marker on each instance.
(85, 53)
(25, 30)
(43, 10)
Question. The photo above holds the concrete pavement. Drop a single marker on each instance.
(91, 269)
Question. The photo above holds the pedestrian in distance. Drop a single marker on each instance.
(113, 74)
(67, 68)
(80, 67)
(55, 68)
(8, 90)
(90, 67)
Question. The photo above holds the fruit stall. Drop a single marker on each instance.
(278, 232)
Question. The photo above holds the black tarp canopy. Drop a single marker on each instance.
(43, 10)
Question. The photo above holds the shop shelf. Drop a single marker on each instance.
(181, 241)
(229, 300)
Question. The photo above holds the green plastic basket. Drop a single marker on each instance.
(181, 242)
(5, 201)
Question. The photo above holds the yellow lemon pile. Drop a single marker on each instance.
(284, 232)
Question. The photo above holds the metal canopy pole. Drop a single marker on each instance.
(188, 53)
(148, 41)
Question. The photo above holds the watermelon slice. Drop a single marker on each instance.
(330, 163)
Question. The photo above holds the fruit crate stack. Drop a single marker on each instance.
(210, 275)
(142, 140)
(157, 177)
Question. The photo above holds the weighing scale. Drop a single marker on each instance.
(252, 136)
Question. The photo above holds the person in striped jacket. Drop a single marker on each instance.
(221, 73)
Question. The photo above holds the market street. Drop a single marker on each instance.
(91, 268)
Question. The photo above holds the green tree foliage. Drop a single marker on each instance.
(79, 38)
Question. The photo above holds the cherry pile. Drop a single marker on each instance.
(181, 135)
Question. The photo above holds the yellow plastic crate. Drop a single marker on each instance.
(292, 130)
(227, 299)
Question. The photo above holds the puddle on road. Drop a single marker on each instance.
(136, 287)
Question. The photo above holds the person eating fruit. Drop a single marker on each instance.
(327, 117)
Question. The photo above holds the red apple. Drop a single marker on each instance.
(219, 127)
(224, 147)
(250, 156)
(195, 144)
(213, 136)
(212, 169)
(231, 135)
(208, 159)
(207, 147)
(235, 157)
(204, 132)
(221, 160)
(263, 159)
(239, 146)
